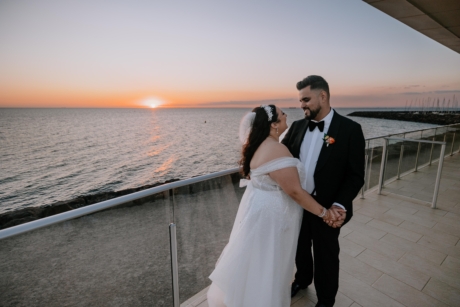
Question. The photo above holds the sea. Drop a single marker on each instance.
(51, 155)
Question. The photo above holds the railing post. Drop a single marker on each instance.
(386, 156)
(174, 264)
(382, 166)
(401, 153)
(365, 171)
(452, 148)
(416, 158)
(459, 148)
(432, 147)
(438, 176)
(445, 137)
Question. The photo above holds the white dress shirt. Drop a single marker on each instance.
(310, 150)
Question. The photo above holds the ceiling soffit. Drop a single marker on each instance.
(439, 20)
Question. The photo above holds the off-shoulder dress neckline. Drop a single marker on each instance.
(273, 160)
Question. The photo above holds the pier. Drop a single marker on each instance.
(427, 117)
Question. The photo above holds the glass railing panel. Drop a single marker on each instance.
(392, 162)
(409, 157)
(399, 135)
(440, 135)
(116, 257)
(428, 134)
(427, 150)
(416, 135)
(204, 214)
(416, 185)
(411, 151)
(449, 139)
(424, 155)
(456, 147)
(374, 162)
(367, 167)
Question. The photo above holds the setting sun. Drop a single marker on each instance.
(151, 102)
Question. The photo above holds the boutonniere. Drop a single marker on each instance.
(328, 140)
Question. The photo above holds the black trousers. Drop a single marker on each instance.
(323, 265)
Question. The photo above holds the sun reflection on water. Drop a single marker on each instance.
(164, 167)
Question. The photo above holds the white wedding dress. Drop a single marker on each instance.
(256, 267)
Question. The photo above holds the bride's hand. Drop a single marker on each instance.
(331, 215)
(334, 217)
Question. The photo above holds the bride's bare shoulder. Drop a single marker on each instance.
(278, 150)
(269, 151)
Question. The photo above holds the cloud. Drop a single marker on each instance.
(446, 92)
(353, 100)
(410, 93)
(411, 86)
(431, 92)
(246, 103)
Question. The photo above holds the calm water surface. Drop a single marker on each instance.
(50, 155)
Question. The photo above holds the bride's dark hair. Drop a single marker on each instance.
(259, 132)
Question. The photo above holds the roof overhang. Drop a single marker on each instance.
(437, 19)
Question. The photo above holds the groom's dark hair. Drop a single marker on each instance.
(315, 82)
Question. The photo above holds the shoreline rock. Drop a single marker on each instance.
(410, 116)
(24, 215)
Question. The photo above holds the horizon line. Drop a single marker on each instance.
(219, 107)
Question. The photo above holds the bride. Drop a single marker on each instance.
(256, 267)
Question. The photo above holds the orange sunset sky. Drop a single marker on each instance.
(214, 54)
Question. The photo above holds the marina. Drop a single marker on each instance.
(430, 116)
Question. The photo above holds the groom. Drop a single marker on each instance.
(331, 147)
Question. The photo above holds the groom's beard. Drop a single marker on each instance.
(313, 113)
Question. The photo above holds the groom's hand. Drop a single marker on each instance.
(338, 216)
(337, 224)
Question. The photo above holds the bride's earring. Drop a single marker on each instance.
(277, 131)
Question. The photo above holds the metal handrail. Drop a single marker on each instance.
(62, 217)
(410, 131)
(415, 141)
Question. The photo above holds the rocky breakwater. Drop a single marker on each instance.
(436, 118)
(24, 215)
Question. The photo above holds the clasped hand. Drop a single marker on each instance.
(335, 216)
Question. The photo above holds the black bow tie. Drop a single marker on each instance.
(312, 125)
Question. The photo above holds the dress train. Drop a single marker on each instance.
(256, 267)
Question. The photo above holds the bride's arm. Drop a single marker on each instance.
(288, 179)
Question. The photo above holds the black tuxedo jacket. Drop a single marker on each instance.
(339, 172)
